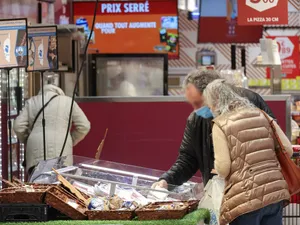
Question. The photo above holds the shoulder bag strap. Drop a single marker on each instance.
(41, 110)
(275, 135)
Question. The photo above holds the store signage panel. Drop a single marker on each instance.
(13, 43)
(289, 55)
(262, 12)
(131, 26)
(218, 24)
(42, 48)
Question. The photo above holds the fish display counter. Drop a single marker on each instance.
(79, 188)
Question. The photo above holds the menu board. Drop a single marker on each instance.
(13, 43)
(42, 48)
(129, 27)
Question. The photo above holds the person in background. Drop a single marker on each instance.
(196, 149)
(118, 85)
(56, 117)
(245, 156)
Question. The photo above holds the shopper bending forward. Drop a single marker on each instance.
(255, 189)
(56, 117)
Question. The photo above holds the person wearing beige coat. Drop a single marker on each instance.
(56, 117)
(244, 147)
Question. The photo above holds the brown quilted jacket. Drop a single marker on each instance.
(255, 179)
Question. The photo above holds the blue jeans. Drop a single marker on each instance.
(269, 215)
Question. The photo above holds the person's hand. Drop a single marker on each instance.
(161, 184)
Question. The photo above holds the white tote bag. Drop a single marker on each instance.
(212, 199)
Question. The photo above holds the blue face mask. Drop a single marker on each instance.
(204, 112)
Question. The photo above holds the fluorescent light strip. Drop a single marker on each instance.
(119, 171)
(22, 148)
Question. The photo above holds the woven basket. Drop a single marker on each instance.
(150, 212)
(17, 195)
(193, 205)
(110, 215)
(58, 199)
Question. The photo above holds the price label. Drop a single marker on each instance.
(285, 47)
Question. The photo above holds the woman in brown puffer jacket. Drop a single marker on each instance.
(245, 156)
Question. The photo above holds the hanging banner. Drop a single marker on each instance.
(289, 55)
(224, 17)
(262, 12)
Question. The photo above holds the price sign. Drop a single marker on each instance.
(289, 55)
(286, 47)
(262, 12)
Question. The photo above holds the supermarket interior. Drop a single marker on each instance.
(126, 110)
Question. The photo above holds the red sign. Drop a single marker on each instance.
(224, 18)
(131, 27)
(262, 12)
(299, 52)
(289, 55)
(227, 31)
(62, 11)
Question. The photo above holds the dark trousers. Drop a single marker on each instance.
(269, 215)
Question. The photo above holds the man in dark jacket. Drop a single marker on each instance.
(196, 150)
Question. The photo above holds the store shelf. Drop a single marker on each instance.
(291, 92)
(262, 87)
(63, 69)
(68, 28)
(265, 65)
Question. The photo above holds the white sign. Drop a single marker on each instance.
(126, 7)
(261, 5)
(286, 47)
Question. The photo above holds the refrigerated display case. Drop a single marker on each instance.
(130, 75)
(104, 178)
(18, 89)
